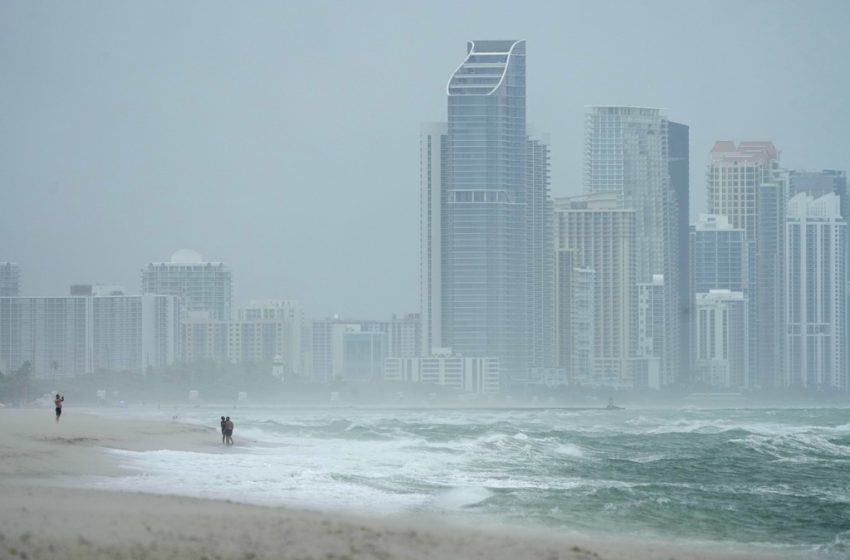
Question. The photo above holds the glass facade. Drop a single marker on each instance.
(629, 153)
(485, 306)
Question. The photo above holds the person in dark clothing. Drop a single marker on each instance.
(228, 430)
(223, 431)
(58, 403)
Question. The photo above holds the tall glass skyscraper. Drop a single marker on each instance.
(629, 153)
(487, 287)
(485, 239)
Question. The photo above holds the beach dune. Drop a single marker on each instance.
(45, 513)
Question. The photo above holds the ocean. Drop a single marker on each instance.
(778, 478)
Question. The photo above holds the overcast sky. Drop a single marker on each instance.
(282, 137)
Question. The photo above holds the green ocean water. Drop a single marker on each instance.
(773, 477)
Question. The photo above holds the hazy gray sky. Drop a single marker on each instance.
(282, 137)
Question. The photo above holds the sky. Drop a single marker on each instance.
(282, 138)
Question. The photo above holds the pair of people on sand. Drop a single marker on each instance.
(226, 431)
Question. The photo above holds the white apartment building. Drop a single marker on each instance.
(602, 234)
(200, 285)
(628, 154)
(574, 317)
(471, 374)
(651, 333)
(816, 289)
(261, 332)
(74, 335)
(721, 344)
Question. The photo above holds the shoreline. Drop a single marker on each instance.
(44, 515)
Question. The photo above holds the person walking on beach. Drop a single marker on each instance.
(58, 402)
(223, 431)
(228, 430)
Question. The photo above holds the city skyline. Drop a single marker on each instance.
(243, 177)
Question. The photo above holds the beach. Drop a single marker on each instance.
(47, 512)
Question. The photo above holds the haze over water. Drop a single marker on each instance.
(769, 476)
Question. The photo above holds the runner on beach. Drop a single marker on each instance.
(58, 402)
(228, 430)
(223, 431)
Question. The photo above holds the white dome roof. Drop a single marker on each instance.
(186, 256)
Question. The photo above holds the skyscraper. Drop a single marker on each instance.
(486, 225)
(574, 316)
(719, 255)
(627, 152)
(73, 335)
(746, 185)
(815, 280)
(679, 164)
(433, 143)
(721, 344)
(201, 286)
(734, 175)
(540, 257)
(10, 279)
(602, 234)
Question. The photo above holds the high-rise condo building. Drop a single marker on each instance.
(679, 165)
(433, 144)
(201, 286)
(77, 334)
(602, 234)
(628, 153)
(721, 344)
(720, 261)
(10, 279)
(734, 175)
(815, 295)
(540, 257)
(746, 185)
(574, 317)
(486, 258)
(650, 332)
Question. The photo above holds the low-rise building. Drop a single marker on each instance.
(477, 375)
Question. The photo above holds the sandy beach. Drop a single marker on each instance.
(44, 513)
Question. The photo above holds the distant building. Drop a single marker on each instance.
(200, 285)
(721, 261)
(401, 337)
(363, 354)
(74, 335)
(602, 234)
(721, 344)
(815, 275)
(433, 145)
(261, 332)
(574, 316)
(473, 375)
(99, 290)
(486, 242)
(635, 153)
(719, 255)
(746, 185)
(651, 333)
(819, 183)
(10, 279)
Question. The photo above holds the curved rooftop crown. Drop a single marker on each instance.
(484, 68)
